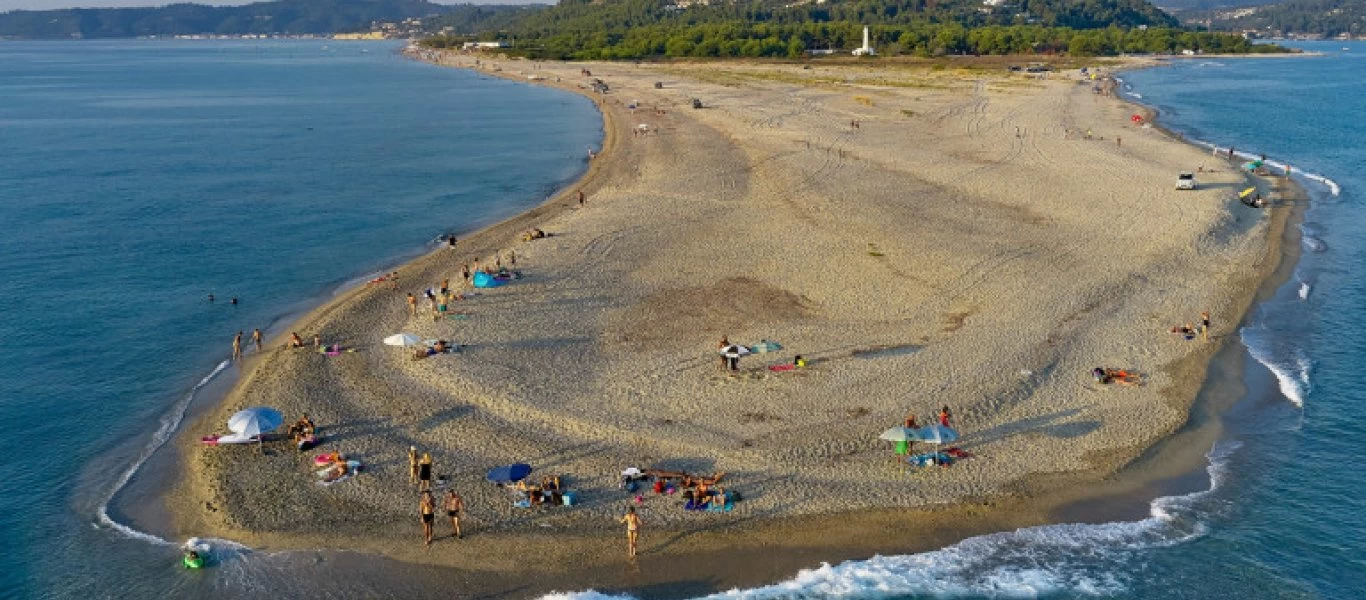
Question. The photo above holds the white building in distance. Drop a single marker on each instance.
(867, 49)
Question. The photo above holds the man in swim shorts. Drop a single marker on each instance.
(454, 506)
(428, 509)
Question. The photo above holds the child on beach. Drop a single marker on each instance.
(412, 464)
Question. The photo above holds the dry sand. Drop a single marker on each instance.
(954, 248)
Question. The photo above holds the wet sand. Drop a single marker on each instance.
(954, 248)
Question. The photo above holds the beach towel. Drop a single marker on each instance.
(957, 452)
(782, 368)
(931, 459)
(484, 280)
(231, 438)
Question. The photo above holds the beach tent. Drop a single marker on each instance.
(255, 421)
(484, 280)
(402, 339)
(510, 473)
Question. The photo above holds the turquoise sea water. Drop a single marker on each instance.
(136, 178)
(1284, 514)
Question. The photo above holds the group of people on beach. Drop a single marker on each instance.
(420, 475)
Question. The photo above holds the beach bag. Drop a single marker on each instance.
(568, 498)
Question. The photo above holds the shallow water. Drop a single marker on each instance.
(138, 177)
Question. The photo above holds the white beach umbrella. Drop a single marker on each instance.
(403, 339)
(734, 351)
(900, 434)
(255, 421)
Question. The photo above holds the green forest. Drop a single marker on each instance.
(1325, 17)
(633, 29)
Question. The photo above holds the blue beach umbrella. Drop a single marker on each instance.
(510, 473)
(936, 434)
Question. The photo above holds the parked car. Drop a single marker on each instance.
(1185, 181)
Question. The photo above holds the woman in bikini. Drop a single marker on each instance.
(633, 523)
(424, 473)
(428, 509)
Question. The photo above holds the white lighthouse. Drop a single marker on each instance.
(867, 49)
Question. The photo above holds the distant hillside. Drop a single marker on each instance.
(1181, 8)
(632, 29)
(1328, 18)
(290, 17)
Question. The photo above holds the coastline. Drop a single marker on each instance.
(846, 534)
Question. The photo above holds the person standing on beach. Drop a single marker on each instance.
(944, 416)
(581, 198)
(427, 507)
(1119, 142)
(720, 348)
(633, 523)
(317, 341)
(1204, 325)
(412, 304)
(412, 464)
(454, 506)
(256, 339)
(424, 473)
(465, 272)
(237, 346)
(1230, 152)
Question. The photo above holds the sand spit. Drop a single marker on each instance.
(955, 247)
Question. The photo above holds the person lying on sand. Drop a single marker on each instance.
(1185, 331)
(1119, 376)
(336, 472)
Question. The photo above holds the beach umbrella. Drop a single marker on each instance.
(1247, 192)
(402, 339)
(935, 433)
(900, 434)
(734, 351)
(632, 472)
(510, 473)
(255, 421)
(765, 346)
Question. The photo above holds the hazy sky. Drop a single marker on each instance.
(7, 5)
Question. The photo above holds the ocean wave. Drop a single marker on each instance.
(169, 423)
(1313, 244)
(1304, 290)
(1029, 562)
(1333, 187)
(1292, 374)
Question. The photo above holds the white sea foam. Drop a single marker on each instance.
(1134, 95)
(1304, 291)
(1051, 559)
(169, 423)
(1292, 374)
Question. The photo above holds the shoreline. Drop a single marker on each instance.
(848, 534)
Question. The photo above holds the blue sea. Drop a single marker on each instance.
(137, 178)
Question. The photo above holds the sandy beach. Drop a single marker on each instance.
(923, 235)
